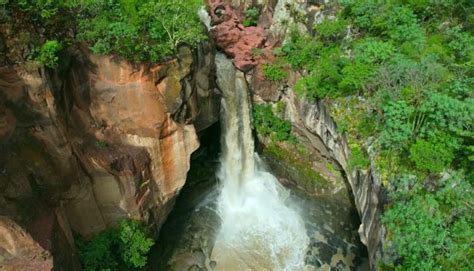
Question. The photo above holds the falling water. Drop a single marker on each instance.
(259, 231)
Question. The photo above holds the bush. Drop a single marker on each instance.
(124, 246)
(301, 50)
(430, 156)
(274, 72)
(397, 129)
(251, 17)
(359, 158)
(370, 50)
(48, 53)
(268, 124)
(331, 30)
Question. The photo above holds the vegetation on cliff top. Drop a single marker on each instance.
(400, 78)
(138, 31)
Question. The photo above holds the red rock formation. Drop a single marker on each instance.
(246, 45)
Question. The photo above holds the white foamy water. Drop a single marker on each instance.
(204, 17)
(259, 231)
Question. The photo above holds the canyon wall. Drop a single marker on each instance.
(99, 139)
(312, 124)
(93, 142)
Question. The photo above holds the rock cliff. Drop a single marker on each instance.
(93, 142)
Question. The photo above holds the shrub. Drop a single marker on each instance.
(251, 17)
(354, 77)
(397, 129)
(400, 24)
(133, 244)
(301, 50)
(124, 246)
(359, 158)
(268, 124)
(430, 156)
(370, 50)
(48, 53)
(274, 72)
(331, 30)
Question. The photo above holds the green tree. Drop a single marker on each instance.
(124, 247)
(48, 53)
(134, 244)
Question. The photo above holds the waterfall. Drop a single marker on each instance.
(258, 231)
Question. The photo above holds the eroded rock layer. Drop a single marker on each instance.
(96, 141)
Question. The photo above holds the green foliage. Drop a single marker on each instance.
(124, 246)
(274, 72)
(430, 156)
(148, 30)
(48, 53)
(301, 50)
(133, 244)
(461, 43)
(141, 30)
(251, 17)
(97, 254)
(400, 24)
(402, 83)
(297, 159)
(432, 228)
(268, 124)
(102, 144)
(371, 50)
(324, 76)
(46, 8)
(331, 30)
(359, 158)
(354, 76)
(397, 129)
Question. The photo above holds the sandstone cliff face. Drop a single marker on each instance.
(96, 141)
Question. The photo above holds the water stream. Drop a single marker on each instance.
(259, 231)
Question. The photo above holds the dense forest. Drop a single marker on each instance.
(398, 77)
(135, 30)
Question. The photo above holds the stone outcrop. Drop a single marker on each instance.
(96, 141)
(247, 46)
